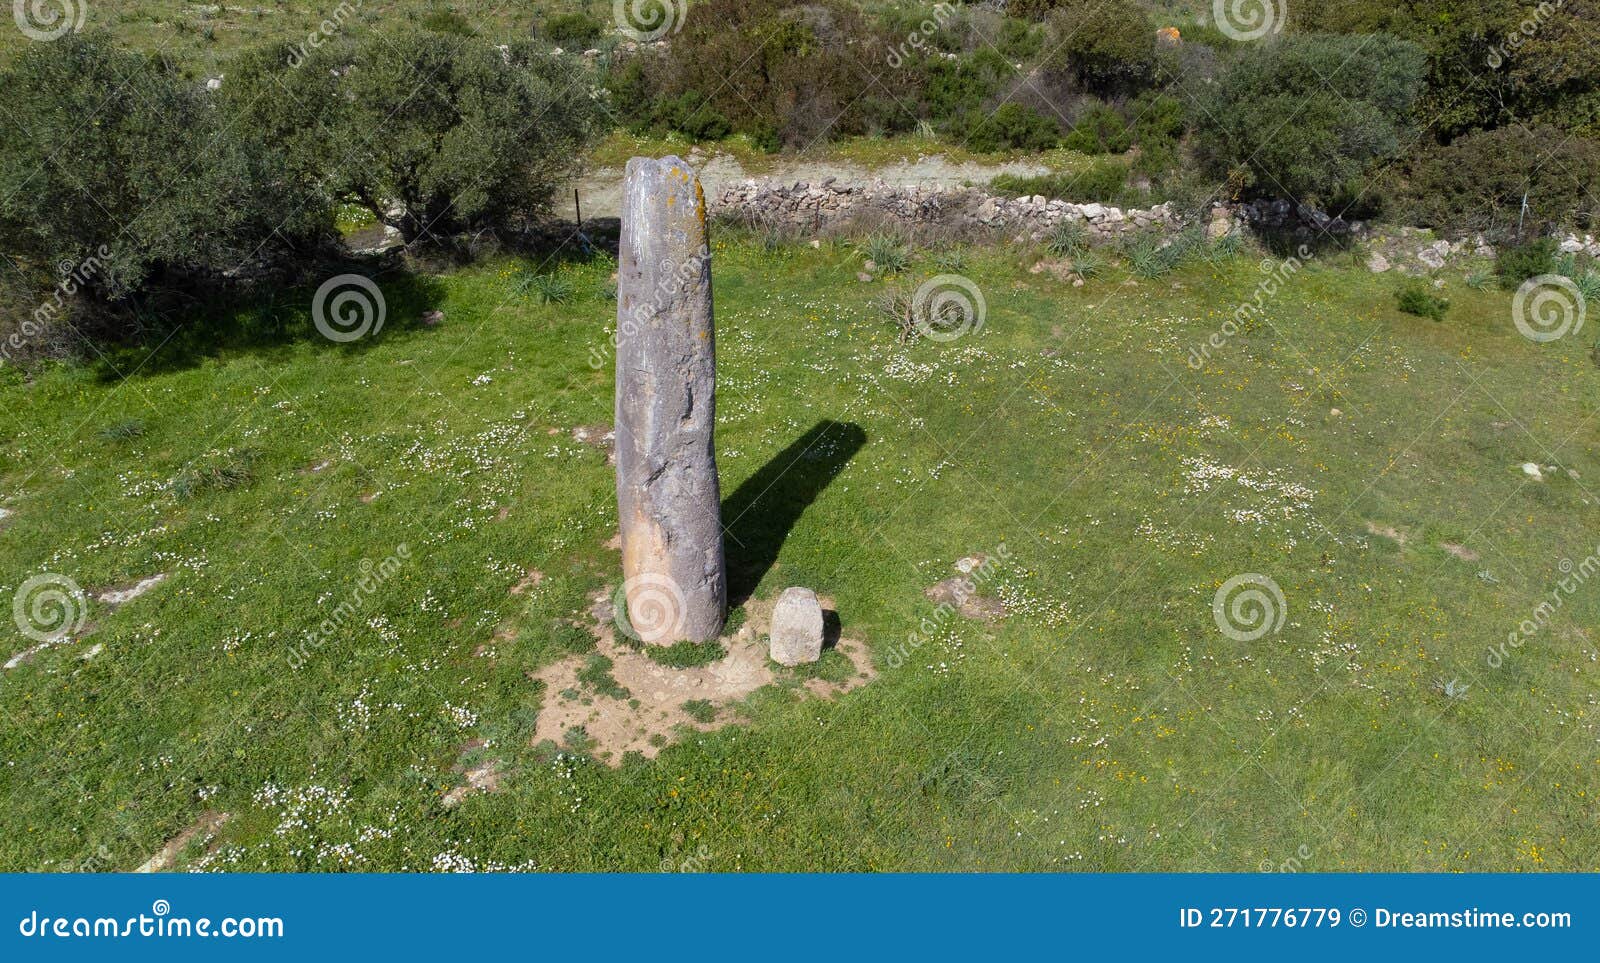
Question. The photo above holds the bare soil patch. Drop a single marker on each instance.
(204, 827)
(651, 714)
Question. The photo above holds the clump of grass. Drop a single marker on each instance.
(1588, 284)
(1089, 264)
(1415, 298)
(1068, 239)
(1453, 689)
(577, 739)
(686, 655)
(542, 287)
(1146, 256)
(125, 430)
(700, 710)
(1224, 248)
(1479, 279)
(888, 254)
(232, 471)
(596, 674)
(952, 260)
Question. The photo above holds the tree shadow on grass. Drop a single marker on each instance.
(759, 516)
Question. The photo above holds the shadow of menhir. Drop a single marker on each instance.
(759, 516)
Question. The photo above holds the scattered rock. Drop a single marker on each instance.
(432, 318)
(796, 634)
(1532, 471)
(1377, 263)
(120, 596)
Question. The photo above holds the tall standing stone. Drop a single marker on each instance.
(669, 505)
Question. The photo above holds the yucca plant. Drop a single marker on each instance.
(887, 253)
(543, 288)
(1068, 239)
(1089, 264)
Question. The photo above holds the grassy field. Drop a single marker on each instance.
(1365, 461)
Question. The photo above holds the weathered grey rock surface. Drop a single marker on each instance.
(796, 634)
(669, 505)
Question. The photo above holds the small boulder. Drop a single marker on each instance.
(796, 635)
(1377, 263)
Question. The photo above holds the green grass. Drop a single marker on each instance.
(1106, 724)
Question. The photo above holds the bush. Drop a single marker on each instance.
(1516, 263)
(1415, 298)
(1101, 130)
(458, 153)
(1109, 45)
(99, 169)
(1478, 183)
(576, 30)
(795, 62)
(1011, 127)
(1100, 182)
(1305, 116)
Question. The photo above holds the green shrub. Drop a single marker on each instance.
(102, 168)
(784, 72)
(572, 29)
(1102, 182)
(1416, 298)
(1109, 45)
(1478, 183)
(1101, 130)
(458, 153)
(1516, 263)
(1305, 116)
(1011, 127)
